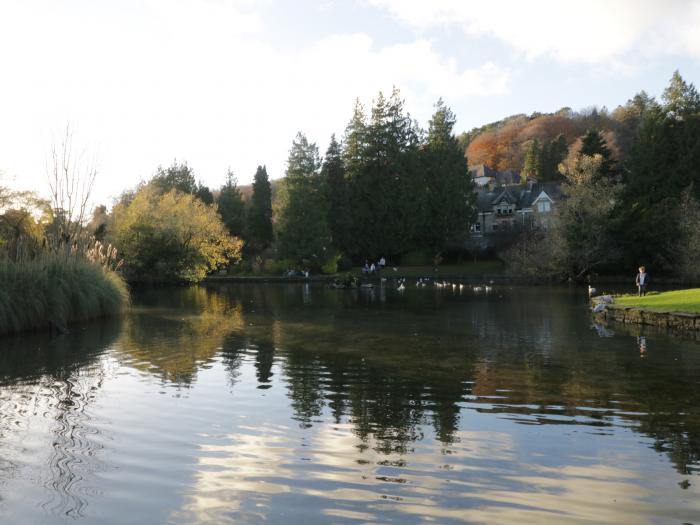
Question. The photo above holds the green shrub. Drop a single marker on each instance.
(271, 267)
(330, 266)
(416, 258)
(285, 265)
(59, 289)
(344, 263)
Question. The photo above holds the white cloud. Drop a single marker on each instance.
(201, 81)
(586, 32)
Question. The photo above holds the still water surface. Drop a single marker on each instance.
(302, 404)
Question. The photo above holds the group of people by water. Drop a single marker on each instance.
(370, 269)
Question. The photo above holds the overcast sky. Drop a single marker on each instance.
(228, 83)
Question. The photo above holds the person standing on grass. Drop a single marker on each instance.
(642, 280)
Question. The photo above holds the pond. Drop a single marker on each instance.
(298, 403)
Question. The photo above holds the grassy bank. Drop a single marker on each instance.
(676, 301)
(56, 289)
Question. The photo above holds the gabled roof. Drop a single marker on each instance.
(504, 195)
(523, 196)
(542, 197)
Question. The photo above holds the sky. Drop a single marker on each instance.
(228, 83)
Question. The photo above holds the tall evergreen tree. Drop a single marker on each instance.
(336, 190)
(532, 168)
(663, 163)
(231, 207)
(260, 213)
(355, 141)
(447, 195)
(302, 229)
(553, 153)
(381, 158)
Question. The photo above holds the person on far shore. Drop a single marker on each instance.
(382, 263)
(642, 280)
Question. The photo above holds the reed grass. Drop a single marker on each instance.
(57, 289)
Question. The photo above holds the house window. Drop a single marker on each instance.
(543, 206)
(475, 228)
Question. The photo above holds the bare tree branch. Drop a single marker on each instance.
(71, 179)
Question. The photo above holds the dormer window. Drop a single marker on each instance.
(503, 208)
(543, 207)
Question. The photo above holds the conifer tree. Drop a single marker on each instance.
(302, 228)
(447, 193)
(532, 168)
(593, 144)
(383, 189)
(231, 207)
(260, 214)
(204, 194)
(355, 141)
(336, 191)
(553, 153)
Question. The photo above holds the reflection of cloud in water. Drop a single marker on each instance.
(240, 481)
(269, 474)
(234, 478)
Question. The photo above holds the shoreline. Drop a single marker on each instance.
(668, 319)
(464, 277)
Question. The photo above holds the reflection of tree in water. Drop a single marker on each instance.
(175, 331)
(384, 399)
(264, 359)
(49, 384)
(530, 355)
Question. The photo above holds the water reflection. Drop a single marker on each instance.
(172, 333)
(300, 403)
(47, 385)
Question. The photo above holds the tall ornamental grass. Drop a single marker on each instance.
(57, 288)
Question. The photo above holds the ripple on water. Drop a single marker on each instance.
(342, 410)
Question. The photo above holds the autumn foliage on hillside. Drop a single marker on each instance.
(503, 145)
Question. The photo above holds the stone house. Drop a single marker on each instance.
(514, 207)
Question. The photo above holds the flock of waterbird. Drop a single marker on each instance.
(435, 283)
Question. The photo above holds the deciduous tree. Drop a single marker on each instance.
(171, 236)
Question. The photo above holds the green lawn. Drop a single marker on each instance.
(676, 301)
